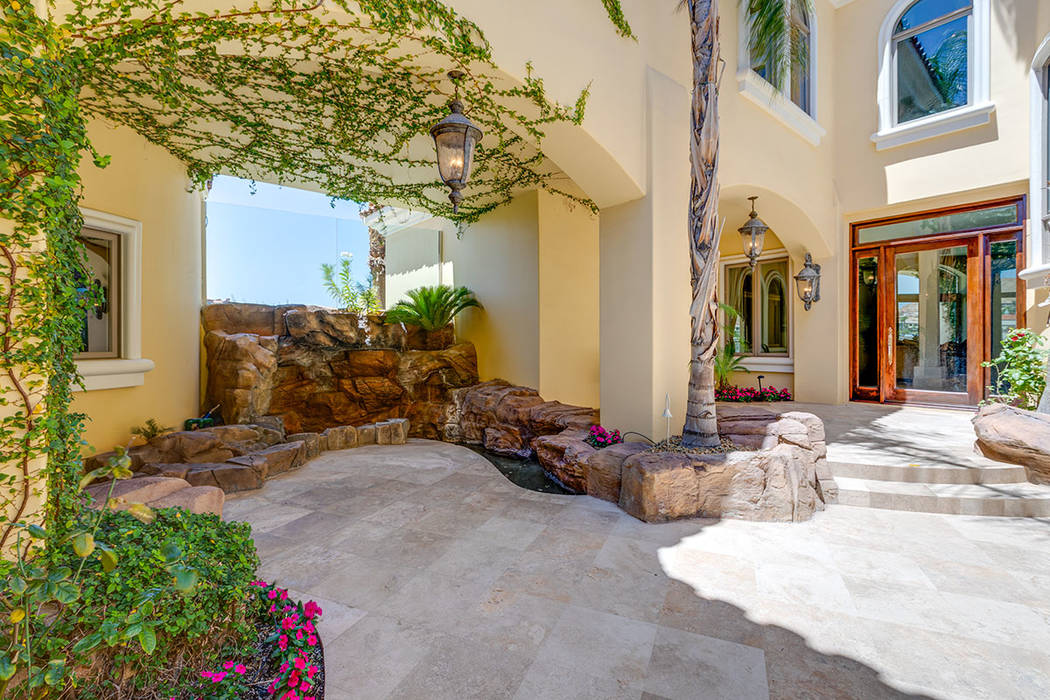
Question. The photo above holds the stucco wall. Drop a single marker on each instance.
(143, 182)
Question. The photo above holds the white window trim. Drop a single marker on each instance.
(976, 112)
(757, 89)
(765, 363)
(1037, 269)
(129, 368)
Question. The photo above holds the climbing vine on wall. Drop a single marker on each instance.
(337, 94)
(42, 138)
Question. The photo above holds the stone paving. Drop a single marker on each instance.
(441, 579)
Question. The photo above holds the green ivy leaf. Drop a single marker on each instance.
(185, 578)
(87, 643)
(56, 671)
(148, 639)
(83, 544)
(108, 558)
(142, 513)
(171, 552)
(7, 668)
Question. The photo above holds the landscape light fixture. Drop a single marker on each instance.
(455, 137)
(753, 233)
(808, 282)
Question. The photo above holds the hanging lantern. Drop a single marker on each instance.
(455, 137)
(808, 282)
(753, 234)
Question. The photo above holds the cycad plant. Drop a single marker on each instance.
(432, 308)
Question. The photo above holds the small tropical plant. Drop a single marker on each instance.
(432, 308)
(1018, 376)
(726, 359)
(150, 429)
(348, 294)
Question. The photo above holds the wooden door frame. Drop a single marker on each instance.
(978, 270)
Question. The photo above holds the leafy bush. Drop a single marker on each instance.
(432, 308)
(1018, 373)
(726, 360)
(748, 394)
(150, 429)
(168, 591)
(348, 294)
(598, 437)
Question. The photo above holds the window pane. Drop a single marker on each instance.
(945, 223)
(1002, 296)
(926, 11)
(774, 288)
(931, 319)
(739, 296)
(868, 322)
(99, 330)
(932, 70)
(800, 57)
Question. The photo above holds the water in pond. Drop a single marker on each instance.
(526, 473)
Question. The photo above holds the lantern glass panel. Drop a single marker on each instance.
(450, 155)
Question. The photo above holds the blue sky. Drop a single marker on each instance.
(267, 247)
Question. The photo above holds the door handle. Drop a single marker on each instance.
(889, 344)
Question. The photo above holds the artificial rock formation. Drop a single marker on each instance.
(319, 368)
(781, 476)
(509, 419)
(1014, 435)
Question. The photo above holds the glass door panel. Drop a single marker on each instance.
(929, 333)
(1002, 297)
(867, 320)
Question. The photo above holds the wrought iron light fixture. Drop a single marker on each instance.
(753, 233)
(455, 137)
(808, 282)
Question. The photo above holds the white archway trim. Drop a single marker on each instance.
(761, 92)
(1037, 264)
(976, 112)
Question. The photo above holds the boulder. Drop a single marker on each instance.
(563, 457)
(241, 368)
(326, 328)
(142, 489)
(659, 486)
(273, 460)
(311, 444)
(172, 471)
(228, 477)
(399, 428)
(383, 433)
(1014, 435)
(196, 499)
(366, 435)
(257, 319)
(242, 439)
(341, 437)
(191, 446)
(602, 469)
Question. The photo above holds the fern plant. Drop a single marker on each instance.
(348, 294)
(726, 360)
(432, 308)
(151, 429)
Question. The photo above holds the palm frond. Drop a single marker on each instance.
(775, 43)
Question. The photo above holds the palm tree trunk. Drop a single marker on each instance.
(701, 427)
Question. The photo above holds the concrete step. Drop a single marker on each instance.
(993, 473)
(1022, 500)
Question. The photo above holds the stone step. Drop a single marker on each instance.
(993, 473)
(1022, 500)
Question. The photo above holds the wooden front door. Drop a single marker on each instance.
(927, 311)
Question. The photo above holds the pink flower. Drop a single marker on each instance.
(311, 671)
(299, 635)
(284, 668)
(273, 607)
(217, 678)
(311, 610)
(241, 669)
(311, 640)
(284, 595)
(288, 622)
(282, 642)
(300, 663)
(273, 686)
(228, 665)
(271, 595)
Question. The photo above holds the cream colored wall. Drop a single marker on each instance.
(143, 182)
(568, 301)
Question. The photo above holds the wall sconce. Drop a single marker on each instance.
(808, 282)
(753, 233)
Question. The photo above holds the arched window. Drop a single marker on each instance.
(933, 69)
(931, 56)
(797, 58)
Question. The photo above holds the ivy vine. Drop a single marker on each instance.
(339, 94)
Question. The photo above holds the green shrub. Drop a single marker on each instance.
(432, 308)
(1018, 373)
(138, 622)
(348, 294)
